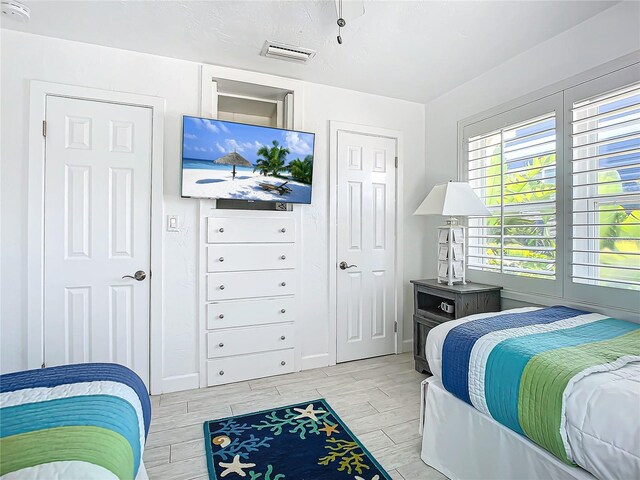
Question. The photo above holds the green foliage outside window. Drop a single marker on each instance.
(537, 255)
(617, 244)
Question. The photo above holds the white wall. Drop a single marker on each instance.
(25, 57)
(604, 37)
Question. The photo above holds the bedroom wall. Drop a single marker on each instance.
(605, 37)
(26, 57)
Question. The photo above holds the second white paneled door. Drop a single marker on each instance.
(97, 224)
(365, 246)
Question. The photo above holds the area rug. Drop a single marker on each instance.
(306, 441)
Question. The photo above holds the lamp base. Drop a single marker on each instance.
(451, 253)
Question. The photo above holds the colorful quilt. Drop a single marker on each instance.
(304, 441)
(74, 421)
(519, 368)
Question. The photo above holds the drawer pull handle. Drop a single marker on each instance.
(221, 344)
(221, 259)
(283, 284)
(283, 257)
(221, 230)
(221, 287)
(221, 315)
(221, 372)
(283, 363)
(282, 337)
(283, 230)
(282, 311)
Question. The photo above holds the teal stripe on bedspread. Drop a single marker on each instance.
(106, 411)
(508, 359)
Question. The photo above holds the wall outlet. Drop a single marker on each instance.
(173, 223)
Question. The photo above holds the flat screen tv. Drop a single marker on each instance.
(228, 160)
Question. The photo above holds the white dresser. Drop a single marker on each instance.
(251, 279)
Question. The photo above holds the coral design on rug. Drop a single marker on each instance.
(350, 455)
(306, 440)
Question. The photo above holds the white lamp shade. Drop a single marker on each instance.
(452, 199)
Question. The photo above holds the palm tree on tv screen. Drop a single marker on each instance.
(271, 160)
(302, 170)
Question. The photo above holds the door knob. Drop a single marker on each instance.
(139, 276)
(343, 265)
(283, 257)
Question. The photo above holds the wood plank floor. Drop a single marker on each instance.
(378, 399)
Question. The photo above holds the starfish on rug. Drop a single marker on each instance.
(308, 412)
(235, 467)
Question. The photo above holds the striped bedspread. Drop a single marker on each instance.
(75, 421)
(519, 368)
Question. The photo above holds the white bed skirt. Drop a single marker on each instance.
(462, 443)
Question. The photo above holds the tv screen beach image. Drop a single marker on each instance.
(245, 162)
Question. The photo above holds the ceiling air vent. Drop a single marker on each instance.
(283, 51)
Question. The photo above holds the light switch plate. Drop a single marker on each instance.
(173, 224)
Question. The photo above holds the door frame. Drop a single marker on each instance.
(39, 91)
(334, 128)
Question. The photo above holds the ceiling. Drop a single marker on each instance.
(410, 50)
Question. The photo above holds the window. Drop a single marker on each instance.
(606, 189)
(513, 170)
(560, 174)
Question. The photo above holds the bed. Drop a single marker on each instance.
(84, 421)
(464, 434)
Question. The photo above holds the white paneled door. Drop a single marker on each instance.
(97, 222)
(365, 246)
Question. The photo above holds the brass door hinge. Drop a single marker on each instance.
(395, 327)
(44, 128)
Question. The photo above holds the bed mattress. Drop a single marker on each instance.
(602, 412)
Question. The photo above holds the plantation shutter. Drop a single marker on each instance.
(606, 189)
(513, 170)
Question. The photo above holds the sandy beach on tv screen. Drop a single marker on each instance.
(246, 186)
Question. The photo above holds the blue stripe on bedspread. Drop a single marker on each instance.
(504, 369)
(458, 344)
(106, 411)
(82, 372)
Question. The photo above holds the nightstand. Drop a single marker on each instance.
(428, 295)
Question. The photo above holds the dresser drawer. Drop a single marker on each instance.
(229, 258)
(238, 313)
(245, 367)
(229, 285)
(238, 341)
(250, 230)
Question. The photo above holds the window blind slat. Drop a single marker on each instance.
(601, 116)
(607, 98)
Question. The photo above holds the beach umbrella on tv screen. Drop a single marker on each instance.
(233, 158)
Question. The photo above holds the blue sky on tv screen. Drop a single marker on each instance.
(211, 139)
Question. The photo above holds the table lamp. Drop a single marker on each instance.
(452, 199)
